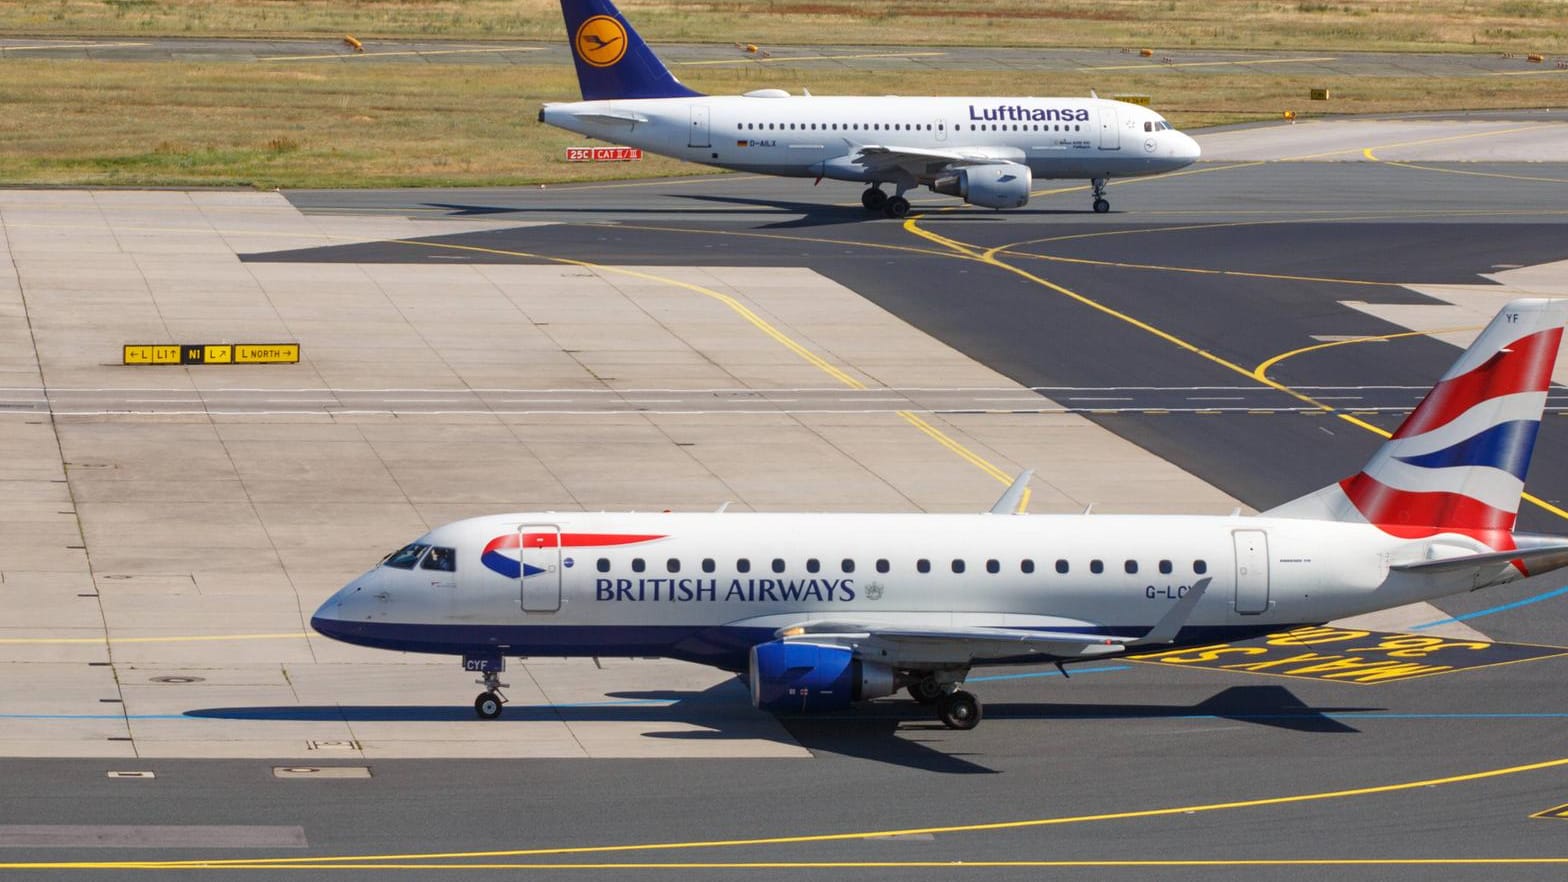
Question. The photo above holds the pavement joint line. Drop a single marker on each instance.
(757, 322)
(388, 860)
(970, 251)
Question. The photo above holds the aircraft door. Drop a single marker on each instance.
(1252, 571)
(539, 546)
(1110, 131)
(699, 126)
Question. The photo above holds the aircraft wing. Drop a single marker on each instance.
(906, 645)
(923, 161)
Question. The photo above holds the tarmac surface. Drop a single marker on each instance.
(1206, 345)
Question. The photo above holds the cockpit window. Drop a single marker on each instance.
(405, 558)
(443, 559)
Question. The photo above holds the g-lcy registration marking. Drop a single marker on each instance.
(1353, 656)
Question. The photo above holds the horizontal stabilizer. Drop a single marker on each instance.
(1535, 560)
(612, 117)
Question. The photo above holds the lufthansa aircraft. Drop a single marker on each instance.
(822, 610)
(987, 151)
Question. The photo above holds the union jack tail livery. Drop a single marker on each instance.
(1458, 463)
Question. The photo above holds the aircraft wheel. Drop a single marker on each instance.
(926, 690)
(1101, 206)
(897, 206)
(959, 710)
(873, 198)
(487, 705)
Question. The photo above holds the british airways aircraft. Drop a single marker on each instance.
(822, 610)
(986, 151)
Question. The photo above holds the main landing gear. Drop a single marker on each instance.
(488, 704)
(1101, 204)
(956, 708)
(892, 206)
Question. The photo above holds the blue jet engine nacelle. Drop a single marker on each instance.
(789, 677)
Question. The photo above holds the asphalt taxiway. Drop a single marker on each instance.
(1110, 60)
(1321, 294)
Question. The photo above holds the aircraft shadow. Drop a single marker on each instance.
(893, 732)
(810, 214)
(1273, 706)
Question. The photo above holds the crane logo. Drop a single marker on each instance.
(601, 41)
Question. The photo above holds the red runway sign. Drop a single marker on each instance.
(603, 154)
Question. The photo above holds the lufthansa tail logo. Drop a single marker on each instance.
(601, 41)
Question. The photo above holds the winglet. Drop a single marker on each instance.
(1013, 497)
(1169, 625)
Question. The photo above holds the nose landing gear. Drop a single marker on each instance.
(1101, 204)
(489, 703)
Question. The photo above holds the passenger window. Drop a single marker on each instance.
(1062, 567)
(1200, 567)
(441, 559)
(405, 558)
(847, 565)
(603, 565)
(1165, 568)
(922, 566)
(638, 565)
(958, 565)
(812, 565)
(882, 565)
(1131, 567)
(707, 565)
(743, 566)
(673, 565)
(993, 566)
(1097, 567)
(778, 565)
(1026, 565)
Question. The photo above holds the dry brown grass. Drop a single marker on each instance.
(1466, 25)
(172, 124)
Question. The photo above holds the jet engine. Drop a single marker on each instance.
(788, 677)
(1003, 185)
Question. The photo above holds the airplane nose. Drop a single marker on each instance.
(1187, 148)
(340, 607)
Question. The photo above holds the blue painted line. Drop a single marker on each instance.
(1496, 609)
(1375, 715)
(634, 702)
(93, 717)
(1075, 672)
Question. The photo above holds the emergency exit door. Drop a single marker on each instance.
(1252, 571)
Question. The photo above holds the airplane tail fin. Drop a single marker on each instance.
(1457, 464)
(612, 60)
